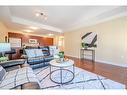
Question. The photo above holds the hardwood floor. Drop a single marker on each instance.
(112, 72)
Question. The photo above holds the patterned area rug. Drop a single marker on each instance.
(83, 80)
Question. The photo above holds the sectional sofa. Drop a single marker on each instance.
(38, 57)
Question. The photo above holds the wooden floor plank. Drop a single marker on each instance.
(112, 72)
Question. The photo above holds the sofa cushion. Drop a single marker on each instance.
(35, 66)
(34, 60)
(30, 53)
(2, 72)
(38, 52)
(48, 58)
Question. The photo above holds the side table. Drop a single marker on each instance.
(62, 67)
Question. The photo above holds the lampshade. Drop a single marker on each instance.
(5, 47)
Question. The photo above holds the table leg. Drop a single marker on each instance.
(74, 70)
(50, 72)
(93, 55)
(61, 70)
(61, 75)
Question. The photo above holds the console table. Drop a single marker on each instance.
(82, 53)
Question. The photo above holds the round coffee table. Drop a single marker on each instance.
(61, 68)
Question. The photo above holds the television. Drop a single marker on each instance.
(4, 47)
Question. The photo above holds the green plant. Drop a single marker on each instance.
(61, 54)
(84, 45)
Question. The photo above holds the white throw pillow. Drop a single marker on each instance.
(38, 52)
(2, 72)
(53, 50)
(30, 52)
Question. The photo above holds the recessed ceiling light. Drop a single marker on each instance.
(50, 34)
(27, 30)
(34, 28)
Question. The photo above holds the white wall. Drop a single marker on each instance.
(59, 41)
(3, 32)
(111, 43)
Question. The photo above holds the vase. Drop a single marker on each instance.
(61, 59)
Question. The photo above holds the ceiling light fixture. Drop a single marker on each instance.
(50, 34)
(41, 14)
(34, 28)
(28, 31)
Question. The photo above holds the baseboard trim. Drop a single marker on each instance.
(102, 61)
(73, 56)
(111, 63)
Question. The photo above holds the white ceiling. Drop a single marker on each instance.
(60, 18)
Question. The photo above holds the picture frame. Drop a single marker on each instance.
(33, 41)
(89, 40)
(15, 42)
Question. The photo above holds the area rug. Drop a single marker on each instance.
(82, 80)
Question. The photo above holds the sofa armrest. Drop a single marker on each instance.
(12, 68)
(11, 63)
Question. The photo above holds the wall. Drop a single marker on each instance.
(3, 32)
(59, 41)
(111, 44)
(43, 41)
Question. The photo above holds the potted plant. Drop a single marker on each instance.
(84, 45)
(61, 56)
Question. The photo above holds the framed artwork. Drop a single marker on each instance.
(89, 39)
(33, 41)
(15, 42)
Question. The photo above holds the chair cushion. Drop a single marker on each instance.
(2, 72)
(30, 53)
(38, 52)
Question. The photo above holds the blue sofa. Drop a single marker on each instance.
(38, 57)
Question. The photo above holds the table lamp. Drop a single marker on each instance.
(4, 47)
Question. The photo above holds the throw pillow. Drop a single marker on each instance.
(39, 52)
(30, 53)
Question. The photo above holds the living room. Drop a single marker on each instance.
(90, 48)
